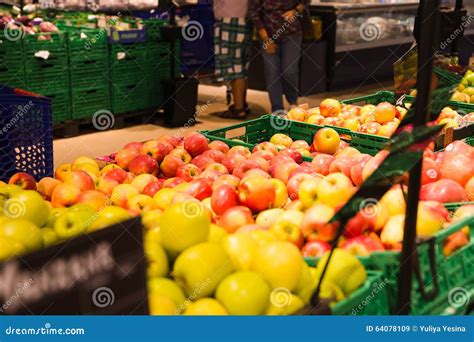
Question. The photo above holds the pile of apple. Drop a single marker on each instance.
(465, 90)
(381, 120)
(452, 119)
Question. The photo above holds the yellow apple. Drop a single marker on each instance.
(216, 233)
(334, 189)
(268, 217)
(241, 250)
(206, 307)
(281, 193)
(163, 198)
(168, 288)
(283, 303)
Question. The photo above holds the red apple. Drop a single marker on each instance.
(182, 154)
(93, 198)
(299, 144)
(226, 179)
(231, 161)
(210, 174)
(242, 150)
(267, 155)
(64, 195)
(262, 163)
(173, 140)
(460, 147)
(357, 169)
(470, 189)
(234, 218)
(170, 165)
(80, 179)
(301, 169)
(46, 186)
(200, 188)
(141, 181)
(321, 163)
(106, 185)
(133, 146)
(220, 146)
(143, 164)
(330, 108)
(201, 161)
(374, 163)
(23, 180)
(188, 172)
(216, 155)
(243, 167)
(118, 175)
(255, 172)
(152, 188)
(430, 172)
(283, 171)
(315, 249)
(265, 146)
(257, 193)
(155, 149)
(360, 224)
(223, 198)
(315, 224)
(363, 245)
(295, 155)
(173, 182)
(196, 144)
(342, 164)
(458, 167)
(444, 191)
(124, 157)
(221, 169)
(294, 182)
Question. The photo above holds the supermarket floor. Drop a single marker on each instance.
(212, 99)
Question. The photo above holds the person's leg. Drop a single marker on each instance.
(272, 68)
(291, 53)
(239, 92)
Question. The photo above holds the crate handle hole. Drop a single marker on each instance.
(236, 132)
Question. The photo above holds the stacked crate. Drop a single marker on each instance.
(89, 72)
(12, 71)
(45, 57)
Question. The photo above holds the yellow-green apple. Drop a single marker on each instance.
(156, 255)
(352, 124)
(163, 198)
(202, 161)
(444, 191)
(196, 144)
(107, 217)
(469, 189)
(330, 108)
(106, 185)
(297, 144)
(73, 223)
(281, 139)
(257, 193)
(234, 218)
(220, 146)
(221, 169)
(223, 198)
(326, 140)
(298, 114)
(287, 230)
(217, 234)
(143, 164)
(283, 170)
(334, 189)
(80, 179)
(122, 194)
(141, 181)
(304, 152)
(232, 161)
(92, 169)
(265, 146)
(448, 123)
(268, 217)
(54, 213)
(387, 130)
(200, 268)
(46, 186)
(295, 205)
(321, 163)
(242, 150)
(135, 145)
(151, 220)
(279, 263)
(62, 170)
(458, 167)
(170, 165)
(49, 237)
(226, 179)
(374, 163)
(315, 119)
(182, 154)
(183, 225)
(244, 293)
(137, 204)
(431, 218)
(162, 305)
(392, 232)
(205, 307)
(363, 245)
(315, 249)
(94, 199)
(83, 160)
(124, 157)
(315, 224)
(394, 200)
(152, 188)
(24, 234)
(216, 155)
(27, 205)
(308, 191)
(384, 112)
(241, 249)
(246, 165)
(64, 195)
(294, 183)
(281, 193)
(23, 180)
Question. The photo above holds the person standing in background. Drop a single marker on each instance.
(279, 26)
(232, 41)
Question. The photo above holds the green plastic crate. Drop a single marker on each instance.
(129, 97)
(61, 106)
(456, 270)
(12, 71)
(368, 300)
(87, 101)
(153, 29)
(127, 63)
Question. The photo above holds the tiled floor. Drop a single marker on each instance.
(211, 99)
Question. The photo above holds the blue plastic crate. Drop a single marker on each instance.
(26, 143)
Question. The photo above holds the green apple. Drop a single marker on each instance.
(71, 224)
(284, 303)
(306, 284)
(206, 307)
(7, 192)
(151, 219)
(108, 217)
(184, 225)
(200, 268)
(244, 293)
(241, 250)
(9, 248)
(167, 288)
(216, 233)
(28, 205)
(23, 232)
(279, 263)
(156, 255)
(49, 236)
(344, 270)
(53, 216)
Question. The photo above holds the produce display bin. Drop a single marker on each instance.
(368, 300)
(87, 101)
(130, 97)
(252, 132)
(61, 105)
(127, 63)
(456, 270)
(26, 142)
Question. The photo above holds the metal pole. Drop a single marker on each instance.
(426, 50)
